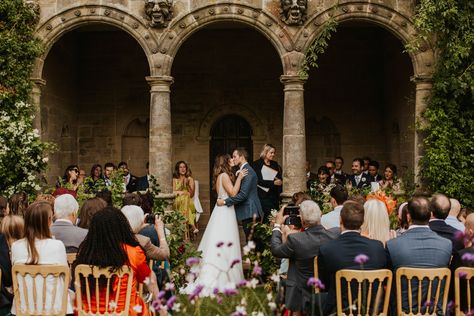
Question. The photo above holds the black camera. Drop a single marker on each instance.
(150, 218)
(293, 212)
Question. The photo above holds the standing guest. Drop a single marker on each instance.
(12, 228)
(335, 177)
(95, 179)
(82, 177)
(440, 207)
(88, 209)
(105, 195)
(310, 176)
(3, 207)
(339, 162)
(144, 182)
(452, 219)
(18, 203)
(69, 179)
(365, 166)
(268, 190)
(358, 179)
(324, 178)
(111, 244)
(376, 222)
(332, 219)
(374, 171)
(63, 229)
(183, 187)
(109, 169)
(6, 295)
(300, 248)
(390, 180)
(38, 247)
(341, 253)
(131, 182)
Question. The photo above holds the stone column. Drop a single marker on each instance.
(37, 85)
(160, 133)
(294, 142)
(423, 90)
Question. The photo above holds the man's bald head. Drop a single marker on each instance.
(455, 207)
(470, 222)
(440, 206)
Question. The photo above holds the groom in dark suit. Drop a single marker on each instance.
(247, 204)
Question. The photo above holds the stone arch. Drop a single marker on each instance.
(51, 30)
(217, 113)
(182, 28)
(379, 14)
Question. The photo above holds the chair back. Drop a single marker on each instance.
(463, 291)
(316, 273)
(71, 257)
(366, 291)
(98, 290)
(40, 289)
(424, 288)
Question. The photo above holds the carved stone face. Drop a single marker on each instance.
(293, 12)
(159, 12)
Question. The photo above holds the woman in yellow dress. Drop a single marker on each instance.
(183, 188)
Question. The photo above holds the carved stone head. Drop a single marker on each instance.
(293, 12)
(160, 12)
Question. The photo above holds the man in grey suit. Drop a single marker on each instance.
(300, 248)
(247, 203)
(419, 246)
(65, 212)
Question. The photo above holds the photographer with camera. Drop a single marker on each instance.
(300, 248)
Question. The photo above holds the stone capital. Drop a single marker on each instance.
(160, 83)
(292, 82)
(421, 79)
(38, 82)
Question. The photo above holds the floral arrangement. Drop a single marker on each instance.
(380, 195)
(321, 194)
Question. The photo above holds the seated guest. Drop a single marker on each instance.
(105, 195)
(373, 171)
(4, 211)
(131, 182)
(111, 243)
(464, 213)
(12, 228)
(136, 217)
(63, 229)
(458, 260)
(46, 197)
(38, 247)
(419, 246)
(341, 253)
(88, 209)
(6, 293)
(376, 222)
(440, 207)
(402, 218)
(452, 219)
(17, 203)
(300, 248)
(132, 199)
(338, 197)
(357, 179)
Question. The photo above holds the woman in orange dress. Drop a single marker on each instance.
(111, 243)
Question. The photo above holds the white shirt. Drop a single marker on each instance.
(453, 222)
(332, 219)
(418, 226)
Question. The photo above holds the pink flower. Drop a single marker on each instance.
(257, 270)
(316, 283)
(241, 283)
(195, 293)
(230, 292)
(361, 259)
(462, 274)
(459, 235)
(192, 261)
(469, 257)
(170, 302)
(451, 305)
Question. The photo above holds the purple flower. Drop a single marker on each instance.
(192, 261)
(156, 305)
(230, 292)
(361, 259)
(215, 291)
(195, 293)
(451, 305)
(428, 303)
(161, 295)
(230, 244)
(234, 262)
(257, 270)
(220, 244)
(219, 299)
(459, 235)
(469, 257)
(241, 283)
(171, 301)
(315, 282)
(462, 274)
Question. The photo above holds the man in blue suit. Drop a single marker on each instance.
(247, 203)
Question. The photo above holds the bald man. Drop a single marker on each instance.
(440, 207)
(452, 219)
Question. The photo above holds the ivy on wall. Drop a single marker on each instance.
(449, 133)
(22, 154)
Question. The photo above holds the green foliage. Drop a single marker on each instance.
(449, 134)
(22, 154)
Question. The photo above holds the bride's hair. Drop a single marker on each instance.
(221, 165)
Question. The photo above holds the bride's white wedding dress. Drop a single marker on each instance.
(220, 248)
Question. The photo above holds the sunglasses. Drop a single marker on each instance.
(75, 170)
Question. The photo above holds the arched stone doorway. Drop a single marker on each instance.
(95, 85)
(363, 86)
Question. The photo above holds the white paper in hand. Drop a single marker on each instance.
(268, 174)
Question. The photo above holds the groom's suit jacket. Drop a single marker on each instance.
(246, 201)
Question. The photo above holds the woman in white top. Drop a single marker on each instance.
(38, 247)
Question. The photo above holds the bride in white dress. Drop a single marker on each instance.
(220, 266)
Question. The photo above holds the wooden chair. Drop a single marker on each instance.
(316, 273)
(365, 283)
(89, 276)
(427, 289)
(40, 289)
(467, 292)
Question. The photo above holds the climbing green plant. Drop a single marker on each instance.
(22, 153)
(449, 132)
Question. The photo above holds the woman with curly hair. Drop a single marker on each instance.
(111, 244)
(183, 187)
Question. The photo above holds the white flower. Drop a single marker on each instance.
(241, 310)
(272, 305)
(246, 250)
(257, 314)
(251, 244)
(243, 301)
(275, 278)
(137, 308)
(45, 159)
(147, 281)
(252, 284)
(176, 307)
(269, 296)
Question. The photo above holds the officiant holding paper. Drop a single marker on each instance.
(269, 180)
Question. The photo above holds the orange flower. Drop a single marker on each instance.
(380, 195)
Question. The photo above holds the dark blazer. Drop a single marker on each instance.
(312, 177)
(246, 201)
(275, 190)
(300, 248)
(132, 184)
(142, 183)
(340, 254)
(444, 230)
(375, 178)
(364, 181)
(71, 236)
(6, 268)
